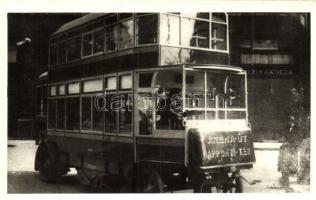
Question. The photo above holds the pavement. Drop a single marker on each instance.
(23, 179)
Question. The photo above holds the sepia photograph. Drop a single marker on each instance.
(158, 102)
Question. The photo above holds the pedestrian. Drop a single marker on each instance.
(288, 155)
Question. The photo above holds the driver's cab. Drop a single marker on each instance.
(171, 98)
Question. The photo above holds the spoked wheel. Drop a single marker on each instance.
(49, 165)
(150, 182)
(234, 184)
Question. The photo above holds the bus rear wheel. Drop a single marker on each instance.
(49, 163)
(150, 182)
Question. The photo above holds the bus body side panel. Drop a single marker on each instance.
(160, 150)
(88, 152)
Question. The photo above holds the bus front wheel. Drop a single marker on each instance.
(150, 182)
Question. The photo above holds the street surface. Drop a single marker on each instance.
(23, 179)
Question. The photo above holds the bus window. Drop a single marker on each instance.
(98, 41)
(95, 85)
(53, 54)
(126, 33)
(87, 44)
(219, 17)
(74, 49)
(73, 88)
(145, 109)
(146, 29)
(195, 89)
(61, 89)
(168, 113)
(219, 36)
(52, 114)
(111, 38)
(169, 29)
(125, 113)
(61, 52)
(145, 79)
(125, 82)
(97, 114)
(110, 119)
(110, 83)
(73, 113)
(61, 114)
(86, 113)
(195, 33)
(52, 90)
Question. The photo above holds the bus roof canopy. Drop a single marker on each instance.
(78, 22)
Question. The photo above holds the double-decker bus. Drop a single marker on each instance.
(147, 100)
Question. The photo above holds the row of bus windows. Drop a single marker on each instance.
(93, 85)
(200, 30)
(91, 114)
(106, 39)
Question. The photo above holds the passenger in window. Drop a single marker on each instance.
(145, 122)
(175, 111)
(169, 109)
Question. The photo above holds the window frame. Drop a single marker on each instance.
(118, 33)
(157, 34)
(181, 16)
(124, 92)
(80, 53)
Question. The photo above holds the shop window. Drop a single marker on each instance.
(146, 29)
(73, 88)
(98, 41)
(61, 114)
(111, 83)
(97, 114)
(126, 34)
(87, 44)
(62, 53)
(74, 49)
(52, 114)
(195, 33)
(73, 113)
(169, 29)
(219, 36)
(53, 54)
(125, 82)
(93, 85)
(86, 113)
(111, 38)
